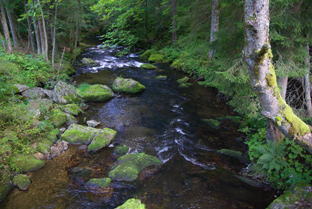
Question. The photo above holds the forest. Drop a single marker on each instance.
(254, 55)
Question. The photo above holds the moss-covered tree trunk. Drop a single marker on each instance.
(5, 29)
(258, 56)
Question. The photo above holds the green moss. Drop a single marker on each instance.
(128, 166)
(121, 150)
(57, 117)
(185, 85)
(156, 58)
(183, 80)
(96, 93)
(21, 181)
(161, 77)
(132, 204)
(147, 54)
(178, 64)
(5, 184)
(27, 163)
(102, 139)
(127, 86)
(77, 134)
(148, 66)
(102, 182)
(73, 109)
(212, 123)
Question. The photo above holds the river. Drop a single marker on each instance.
(164, 121)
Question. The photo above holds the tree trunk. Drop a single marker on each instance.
(78, 20)
(174, 24)
(273, 134)
(43, 33)
(30, 32)
(12, 27)
(5, 30)
(53, 36)
(307, 90)
(258, 57)
(282, 82)
(40, 29)
(215, 16)
(37, 34)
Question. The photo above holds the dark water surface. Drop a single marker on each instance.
(164, 121)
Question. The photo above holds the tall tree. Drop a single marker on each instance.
(43, 33)
(30, 31)
(12, 27)
(307, 89)
(258, 57)
(54, 35)
(215, 16)
(5, 28)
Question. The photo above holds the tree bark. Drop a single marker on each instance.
(30, 31)
(258, 57)
(307, 90)
(43, 32)
(5, 30)
(174, 23)
(78, 20)
(282, 82)
(12, 27)
(37, 34)
(54, 36)
(215, 16)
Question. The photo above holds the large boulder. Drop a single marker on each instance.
(34, 93)
(102, 139)
(21, 88)
(133, 204)
(27, 163)
(96, 93)
(73, 109)
(56, 117)
(97, 138)
(128, 167)
(127, 86)
(65, 94)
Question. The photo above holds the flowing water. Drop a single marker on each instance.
(164, 121)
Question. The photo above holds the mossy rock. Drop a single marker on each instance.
(57, 117)
(127, 86)
(5, 184)
(21, 181)
(301, 192)
(132, 204)
(65, 94)
(78, 134)
(44, 146)
(214, 124)
(185, 85)
(121, 150)
(148, 66)
(88, 61)
(147, 54)
(96, 93)
(27, 163)
(183, 80)
(161, 77)
(99, 183)
(52, 135)
(102, 139)
(177, 64)
(128, 167)
(73, 109)
(156, 58)
(235, 154)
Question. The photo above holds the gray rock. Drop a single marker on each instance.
(62, 130)
(21, 88)
(93, 123)
(48, 93)
(70, 119)
(64, 93)
(34, 93)
(58, 149)
(40, 106)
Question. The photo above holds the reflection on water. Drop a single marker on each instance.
(164, 121)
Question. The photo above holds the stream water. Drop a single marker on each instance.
(164, 121)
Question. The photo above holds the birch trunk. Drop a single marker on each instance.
(174, 23)
(215, 16)
(12, 28)
(307, 90)
(5, 30)
(43, 33)
(258, 57)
